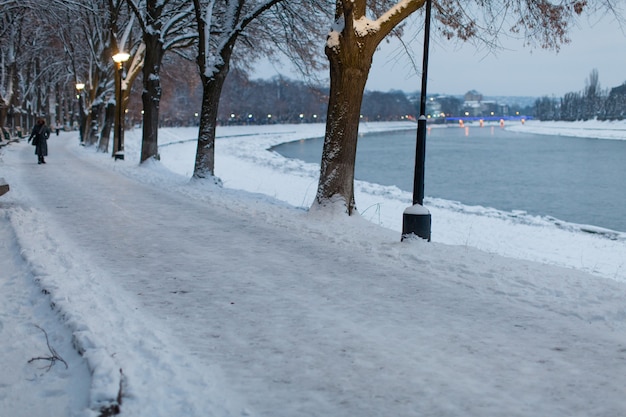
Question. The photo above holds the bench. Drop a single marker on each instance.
(6, 138)
(4, 186)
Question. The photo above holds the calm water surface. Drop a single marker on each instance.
(579, 180)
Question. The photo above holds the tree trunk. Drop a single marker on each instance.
(349, 69)
(350, 53)
(11, 100)
(149, 144)
(83, 122)
(205, 152)
(4, 110)
(92, 129)
(151, 96)
(212, 84)
(105, 134)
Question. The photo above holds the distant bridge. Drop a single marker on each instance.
(485, 118)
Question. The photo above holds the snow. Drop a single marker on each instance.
(364, 26)
(192, 299)
(591, 128)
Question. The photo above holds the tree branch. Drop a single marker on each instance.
(54, 355)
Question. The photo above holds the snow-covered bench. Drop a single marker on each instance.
(4, 186)
(5, 138)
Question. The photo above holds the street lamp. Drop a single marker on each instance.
(118, 134)
(416, 219)
(81, 115)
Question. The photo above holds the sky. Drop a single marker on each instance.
(597, 43)
(189, 298)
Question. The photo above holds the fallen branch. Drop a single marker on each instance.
(54, 356)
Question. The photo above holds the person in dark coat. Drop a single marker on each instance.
(39, 136)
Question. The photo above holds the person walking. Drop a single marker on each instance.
(39, 136)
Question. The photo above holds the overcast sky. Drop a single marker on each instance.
(516, 71)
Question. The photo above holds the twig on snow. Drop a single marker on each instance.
(54, 356)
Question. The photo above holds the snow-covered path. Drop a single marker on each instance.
(233, 304)
(27, 387)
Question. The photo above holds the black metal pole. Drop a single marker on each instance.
(81, 118)
(416, 219)
(117, 111)
(119, 132)
(420, 148)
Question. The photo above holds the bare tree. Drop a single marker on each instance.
(101, 28)
(593, 96)
(282, 24)
(84, 44)
(12, 46)
(26, 78)
(166, 25)
(359, 27)
(123, 38)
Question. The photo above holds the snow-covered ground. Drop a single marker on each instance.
(185, 298)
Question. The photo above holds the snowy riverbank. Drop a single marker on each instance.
(189, 299)
(243, 162)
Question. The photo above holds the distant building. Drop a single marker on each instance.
(473, 95)
(475, 106)
(443, 108)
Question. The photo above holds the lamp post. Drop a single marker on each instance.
(416, 219)
(118, 134)
(81, 115)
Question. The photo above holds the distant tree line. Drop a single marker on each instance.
(260, 101)
(275, 100)
(590, 103)
(284, 100)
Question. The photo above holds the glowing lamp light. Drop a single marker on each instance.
(121, 57)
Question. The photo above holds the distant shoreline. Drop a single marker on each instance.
(610, 130)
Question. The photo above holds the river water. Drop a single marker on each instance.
(578, 180)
